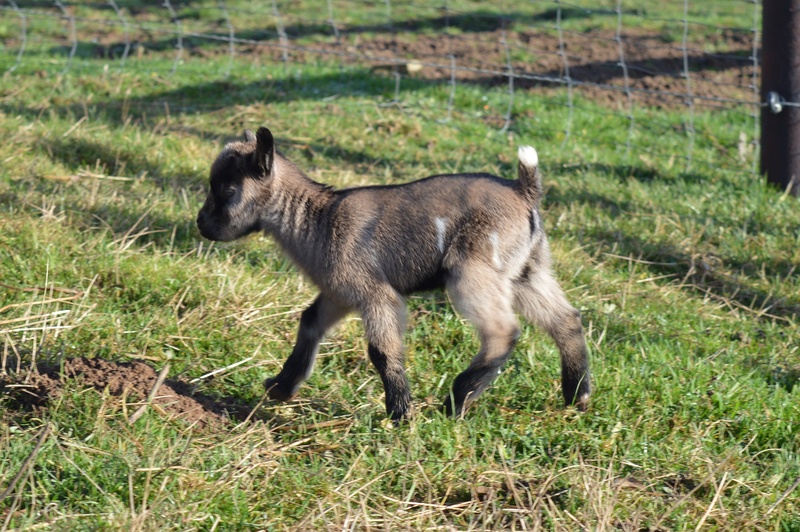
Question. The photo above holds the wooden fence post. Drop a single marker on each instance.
(780, 87)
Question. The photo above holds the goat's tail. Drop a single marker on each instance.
(530, 182)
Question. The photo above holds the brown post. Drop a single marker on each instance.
(780, 87)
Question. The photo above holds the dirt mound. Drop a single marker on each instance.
(33, 390)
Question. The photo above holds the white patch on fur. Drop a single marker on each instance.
(528, 156)
(441, 227)
(537, 221)
(494, 238)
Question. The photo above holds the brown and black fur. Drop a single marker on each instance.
(478, 236)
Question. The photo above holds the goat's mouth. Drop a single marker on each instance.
(210, 234)
(221, 232)
(209, 229)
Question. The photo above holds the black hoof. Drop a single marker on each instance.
(278, 392)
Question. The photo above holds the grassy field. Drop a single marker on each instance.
(686, 275)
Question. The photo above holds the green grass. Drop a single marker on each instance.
(686, 275)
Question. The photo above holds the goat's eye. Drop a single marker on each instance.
(228, 192)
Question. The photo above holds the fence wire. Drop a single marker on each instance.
(612, 60)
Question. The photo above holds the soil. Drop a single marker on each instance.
(34, 390)
(653, 73)
(636, 67)
(720, 66)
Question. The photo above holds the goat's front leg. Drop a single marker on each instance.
(384, 320)
(315, 322)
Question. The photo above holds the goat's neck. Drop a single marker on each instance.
(299, 211)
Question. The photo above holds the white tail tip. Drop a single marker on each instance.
(528, 156)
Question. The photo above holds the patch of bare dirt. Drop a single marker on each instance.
(638, 67)
(33, 390)
(653, 71)
(646, 65)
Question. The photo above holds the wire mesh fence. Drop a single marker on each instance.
(646, 71)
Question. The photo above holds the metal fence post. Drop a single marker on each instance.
(780, 88)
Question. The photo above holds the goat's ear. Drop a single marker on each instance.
(249, 136)
(265, 151)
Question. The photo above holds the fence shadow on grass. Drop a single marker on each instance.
(76, 153)
(169, 225)
(80, 154)
(699, 272)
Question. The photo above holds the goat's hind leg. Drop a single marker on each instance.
(315, 321)
(488, 306)
(540, 299)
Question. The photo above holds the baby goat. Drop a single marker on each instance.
(477, 235)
